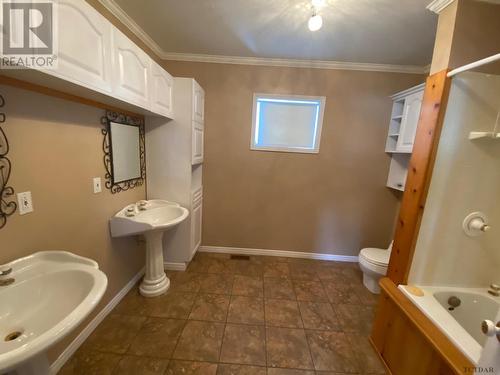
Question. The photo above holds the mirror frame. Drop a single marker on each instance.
(120, 118)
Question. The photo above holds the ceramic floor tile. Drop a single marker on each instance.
(282, 313)
(246, 310)
(276, 270)
(246, 267)
(319, 315)
(210, 307)
(355, 318)
(248, 286)
(200, 341)
(244, 344)
(303, 271)
(287, 348)
(278, 288)
(216, 283)
(157, 337)
(225, 369)
(284, 371)
(191, 368)
(367, 359)
(90, 363)
(132, 304)
(331, 351)
(170, 305)
(115, 333)
(309, 290)
(186, 282)
(365, 296)
(132, 365)
(341, 293)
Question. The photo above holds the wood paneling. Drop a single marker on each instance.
(419, 175)
(408, 342)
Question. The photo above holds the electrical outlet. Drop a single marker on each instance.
(25, 202)
(97, 185)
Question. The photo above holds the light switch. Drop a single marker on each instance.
(97, 185)
(25, 202)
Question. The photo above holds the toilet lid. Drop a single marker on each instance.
(376, 256)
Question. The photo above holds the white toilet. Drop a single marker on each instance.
(373, 262)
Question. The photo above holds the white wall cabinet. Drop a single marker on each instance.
(132, 68)
(97, 61)
(162, 87)
(197, 143)
(174, 156)
(85, 56)
(198, 103)
(402, 130)
(409, 121)
(196, 220)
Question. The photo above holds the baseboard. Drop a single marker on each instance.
(277, 253)
(85, 333)
(171, 266)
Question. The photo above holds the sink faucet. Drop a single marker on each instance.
(142, 205)
(494, 290)
(6, 281)
(5, 272)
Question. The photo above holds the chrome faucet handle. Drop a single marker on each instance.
(141, 205)
(5, 272)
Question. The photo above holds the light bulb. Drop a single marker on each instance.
(318, 3)
(315, 22)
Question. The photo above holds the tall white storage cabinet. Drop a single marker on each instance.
(174, 157)
(402, 130)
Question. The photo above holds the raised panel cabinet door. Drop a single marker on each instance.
(84, 54)
(132, 68)
(409, 122)
(162, 85)
(196, 228)
(197, 144)
(198, 103)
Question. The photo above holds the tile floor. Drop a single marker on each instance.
(266, 315)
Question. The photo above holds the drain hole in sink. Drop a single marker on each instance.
(12, 336)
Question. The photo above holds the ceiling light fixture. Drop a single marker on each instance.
(315, 22)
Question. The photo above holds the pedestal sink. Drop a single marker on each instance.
(42, 298)
(151, 219)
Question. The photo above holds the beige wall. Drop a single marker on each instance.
(334, 202)
(467, 31)
(56, 150)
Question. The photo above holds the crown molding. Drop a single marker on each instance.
(294, 63)
(123, 17)
(437, 6)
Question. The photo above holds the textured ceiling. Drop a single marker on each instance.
(368, 31)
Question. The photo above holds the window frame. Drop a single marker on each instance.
(303, 150)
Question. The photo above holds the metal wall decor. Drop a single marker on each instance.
(7, 206)
(116, 187)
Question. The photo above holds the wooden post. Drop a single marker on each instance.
(419, 175)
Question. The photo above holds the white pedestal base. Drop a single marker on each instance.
(155, 281)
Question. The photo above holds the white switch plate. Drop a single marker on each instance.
(25, 202)
(97, 185)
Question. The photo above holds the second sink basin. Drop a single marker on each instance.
(158, 215)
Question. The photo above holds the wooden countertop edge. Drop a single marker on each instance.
(442, 344)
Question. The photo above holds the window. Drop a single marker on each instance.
(287, 123)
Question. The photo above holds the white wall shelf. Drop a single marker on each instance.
(401, 135)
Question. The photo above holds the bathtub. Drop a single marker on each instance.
(462, 324)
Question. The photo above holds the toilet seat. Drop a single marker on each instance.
(374, 256)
